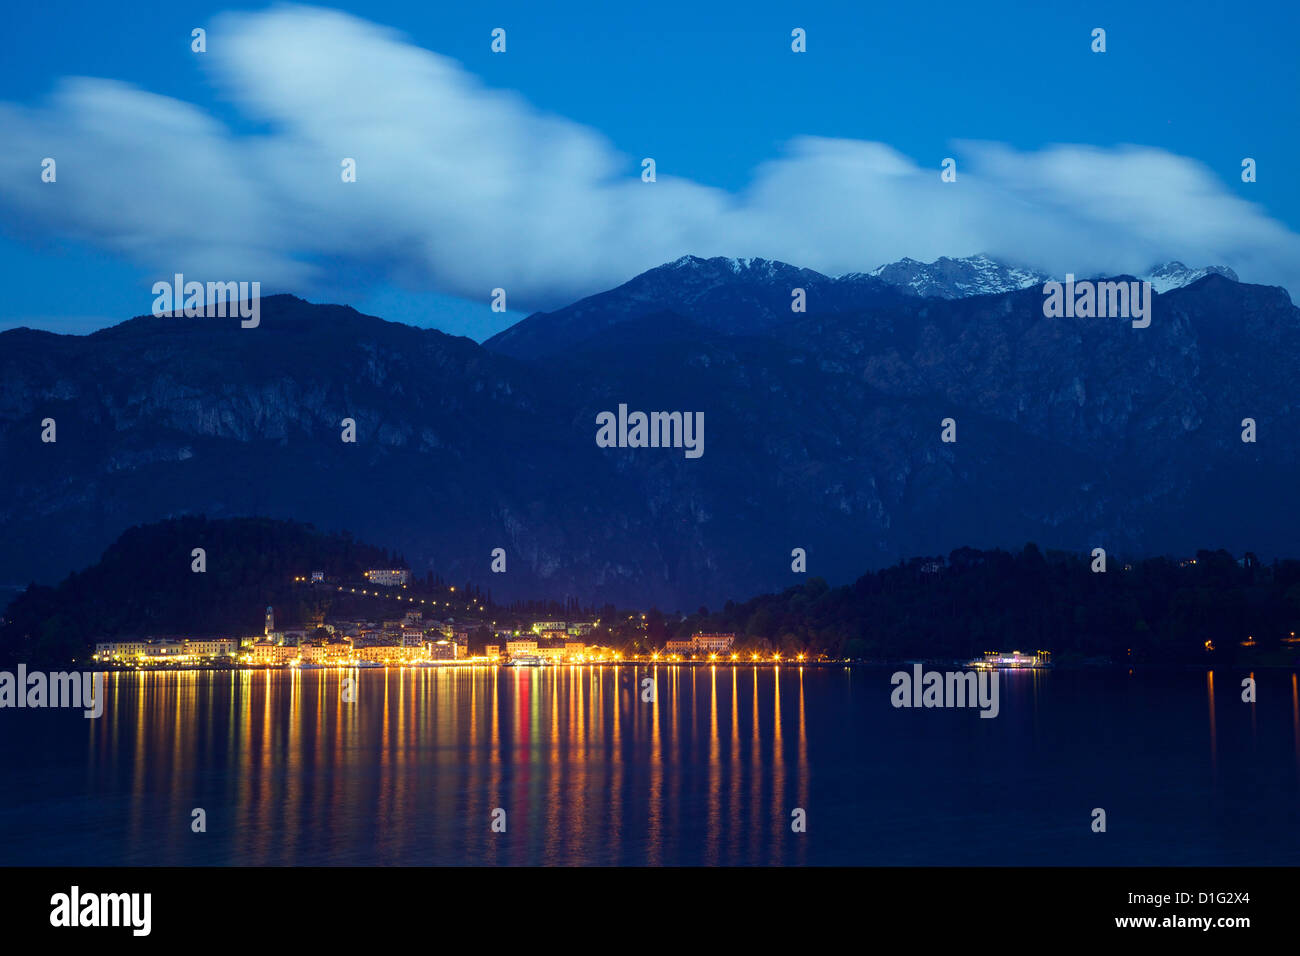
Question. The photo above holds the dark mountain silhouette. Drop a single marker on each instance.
(752, 296)
(730, 296)
(822, 432)
(143, 585)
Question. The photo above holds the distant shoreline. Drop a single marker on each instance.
(878, 665)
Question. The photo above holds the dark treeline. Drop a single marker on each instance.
(1151, 611)
(1157, 610)
(145, 584)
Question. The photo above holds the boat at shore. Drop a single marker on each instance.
(1039, 660)
(526, 660)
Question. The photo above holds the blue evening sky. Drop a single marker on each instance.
(712, 91)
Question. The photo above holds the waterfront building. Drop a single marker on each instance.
(210, 648)
(325, 652)
(163, 650)
(119, 650)
(713, 643)
(311, 653)
(338, 652)
(270, 654)
(443, 650)
(392, 654)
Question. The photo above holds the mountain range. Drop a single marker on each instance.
(743, 296)
(983, 275)
(823, 429)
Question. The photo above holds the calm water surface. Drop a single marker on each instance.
(588, 774)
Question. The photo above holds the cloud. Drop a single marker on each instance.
(461, 188)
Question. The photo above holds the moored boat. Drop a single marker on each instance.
(1014, 660)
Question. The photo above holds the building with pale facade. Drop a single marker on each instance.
(271, 655)
(389, 577)
(445, 650)
(392, 654)
(713, 643)
(161, 650)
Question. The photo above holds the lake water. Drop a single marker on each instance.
(411, 772)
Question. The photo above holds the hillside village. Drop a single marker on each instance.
(416, 637)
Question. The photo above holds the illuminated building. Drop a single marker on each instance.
(210, 648)
(162, 650)
(713, 643)
(1014, 659)
(268, 653)
(311, 653)
(389, 577)
(392, 654)
(443, 650)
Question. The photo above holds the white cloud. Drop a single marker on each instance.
(462, 188)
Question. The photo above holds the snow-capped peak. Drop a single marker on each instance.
(948, 278)
(1175, 275)
(956, 278)
(982, 275)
